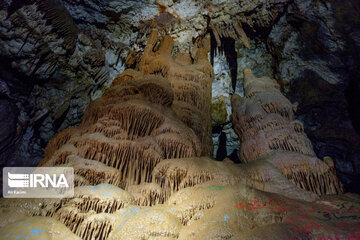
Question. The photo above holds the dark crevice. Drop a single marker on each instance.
(231, 58)
(19, 84)
(221, 153)
(217, 129)
(61, 119)
(213, 47)
(353, 100)
(234, 156)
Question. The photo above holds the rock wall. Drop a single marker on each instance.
(49, 72)
(315, 47)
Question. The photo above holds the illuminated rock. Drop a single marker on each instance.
(264, 120)
(140, 175)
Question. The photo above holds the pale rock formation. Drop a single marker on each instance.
(190, 80)
(139, 173)
(264, 120)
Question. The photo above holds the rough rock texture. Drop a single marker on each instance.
(131, 128)
(256, 58)
(264, 121)
(182, 20)
(8, 128)
(138, 170)
(49, 72)
(190, 80)
(316, 53)
(57, 55)
(139, 174)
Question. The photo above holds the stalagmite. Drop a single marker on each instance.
(176, 174)
(131, 129)
(264, 120)
(123, 136)
(191, 84)
(97, 226)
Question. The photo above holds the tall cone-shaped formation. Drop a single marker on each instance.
(139, 174)
(264, 120)
(190, 78)
(124, 134)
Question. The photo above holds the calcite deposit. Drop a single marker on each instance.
(190, 77)
(264, 120)
(142, 165)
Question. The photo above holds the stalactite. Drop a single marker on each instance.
(307, 172)
(91, 202)
(143, 155)
(175, 174)
(71, 217)
(95, 227)
(94, 171)
(56, 21)
(58, 16)
(232, 30)
(148, 194)
(103, 198)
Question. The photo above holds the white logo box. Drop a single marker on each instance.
(38, 182)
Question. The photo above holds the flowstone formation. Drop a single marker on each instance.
(190, 77)
(130, 129)
(140, 173)
(264, 120)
